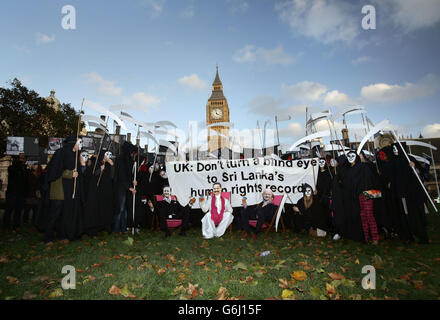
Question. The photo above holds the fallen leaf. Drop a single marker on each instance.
(288, 295)
(299, 275)
(161, 271)
(109, 275)
(240, 266)
(221, 294)
(130, 267)
(129, 241)
(12, 280)
(97, 265)
(114, 290)
(283, 283)
(56, 293)
(126, 293)
(336, 276)
(330, 288)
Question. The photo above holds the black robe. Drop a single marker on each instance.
(408, 187)
(323, 186)
(91, 200)
(73, 209)
(338, 196)
(106, 198)
(72, 212)
(358, 178)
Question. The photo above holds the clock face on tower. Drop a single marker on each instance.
(216, 113)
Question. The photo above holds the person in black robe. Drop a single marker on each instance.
(359, 178)
(33, 195)
(324, 183)
(44, 205)
(262, 212)
(124, 185)
(15, 192)
(74, 193)
(411, 195)
(338, 192)
(144, 191)
(310, 214)
(170, 208)
(106, 199)
(65, 211)
(91, 210)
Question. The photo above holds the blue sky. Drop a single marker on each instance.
(274, 57)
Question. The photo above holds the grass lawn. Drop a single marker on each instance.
(150, 267)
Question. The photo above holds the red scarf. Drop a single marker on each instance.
(215, 216)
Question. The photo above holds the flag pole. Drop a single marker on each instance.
(76, 152)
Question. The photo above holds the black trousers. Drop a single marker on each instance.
(55, 221)
(14, 205)
(182, 214)
(258, 214)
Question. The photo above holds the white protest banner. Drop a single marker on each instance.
(242, 178)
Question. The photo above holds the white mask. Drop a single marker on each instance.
(108, 155)
(85, 156)
(150, 169)
(351, 157)
(308, 192)
(321, 163)
(163, 174)
(167, 192)
(332, 162)
(267, 195)
(395, 151)
(80, 144)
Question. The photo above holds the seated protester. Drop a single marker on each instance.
(262, 212)
(315, 220)
(218, 214)
(171, 209)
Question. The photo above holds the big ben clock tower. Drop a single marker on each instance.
(217, 110)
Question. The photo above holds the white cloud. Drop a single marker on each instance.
(305, 90)
(327, 21)
(335, 98)
(294, 129)
(386, 93)
(410, 15)
(264, 105)
(103, 86)
(193, 81)
(144, 99)
(431, 131)
(22, 49)
(155, 7)
(188, 12)
(251, 53)
(239, 6)
(42, 38)
(360, 60)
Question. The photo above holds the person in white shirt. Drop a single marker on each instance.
(218, 215)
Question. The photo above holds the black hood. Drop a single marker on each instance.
(127, 149)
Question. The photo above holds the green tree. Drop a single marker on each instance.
(25, 113)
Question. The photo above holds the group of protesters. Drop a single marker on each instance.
(355, 197)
